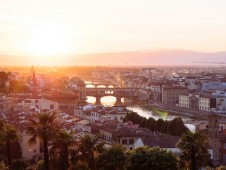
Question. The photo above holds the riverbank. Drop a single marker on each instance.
(173, 110)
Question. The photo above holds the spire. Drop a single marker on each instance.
(34, 80)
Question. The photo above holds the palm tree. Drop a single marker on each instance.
(113, 158)
(89, 148)
(62, 141)
(194, 151)
(8, 135)
(1, 131)
(42, 126)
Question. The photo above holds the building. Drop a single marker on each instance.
(40, 104)
(170, 94)
(213, 137)
(29, 151)
(204, 102)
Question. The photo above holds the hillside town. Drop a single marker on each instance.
(199, 94)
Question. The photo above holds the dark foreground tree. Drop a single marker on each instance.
(60, 149)
(89, 149)
(113, 159)
(42, 126)
(8, 135)
(145, 158)
(194, 153)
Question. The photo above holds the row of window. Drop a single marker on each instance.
(127, 142)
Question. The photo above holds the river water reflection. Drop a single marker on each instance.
(111, 100)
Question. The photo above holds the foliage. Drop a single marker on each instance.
(89, 149)
(42, 126)
(145, 158)
(41, 165)
(194, 151)
(17, 86)
(8, 135)
(3, 79)
(3, 166)
(60, 150)
(221, 168)
(113, 159)
(81, 166)
(174, 127)
(19, 164)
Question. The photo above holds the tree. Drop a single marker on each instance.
(61, 145)
(17, 86)
(177, 127)
(2, 132)
(194, 153)
(173, 127)
(89, 148)
(42, 126)
(145, 158)
(3, 79)
(8, 135)
(19, 164)
(113, 159)
(3, 166)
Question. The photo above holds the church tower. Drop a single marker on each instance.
(213, 136)
(34, 80)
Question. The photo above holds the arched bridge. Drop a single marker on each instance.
(107, 85)
(116, 92)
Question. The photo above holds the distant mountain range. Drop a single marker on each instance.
(146, 57)
(153, 57)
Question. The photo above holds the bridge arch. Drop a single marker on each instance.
(98, 100)
(119, 93)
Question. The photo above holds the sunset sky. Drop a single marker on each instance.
(56, 27)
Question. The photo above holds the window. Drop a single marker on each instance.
(52, 106)
(124, 141)
(27, 101)
(131, 141)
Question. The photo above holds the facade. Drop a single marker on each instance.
(170, 94)
(213, 137)
(29, 151)
(40, 104)
(184, 100)
(202, 102)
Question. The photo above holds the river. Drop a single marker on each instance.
(110, 101)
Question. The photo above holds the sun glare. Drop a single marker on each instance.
(47, 41)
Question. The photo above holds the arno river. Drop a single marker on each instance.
(110, 101)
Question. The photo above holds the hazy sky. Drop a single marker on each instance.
(44, 27)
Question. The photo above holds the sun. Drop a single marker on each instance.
(47, 41)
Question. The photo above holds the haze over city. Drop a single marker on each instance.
(112, 32)
(112, 84)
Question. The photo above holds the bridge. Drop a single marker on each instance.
(116, 92)
(107, 85)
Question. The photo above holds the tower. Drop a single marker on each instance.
(34, 80)
(213, 136)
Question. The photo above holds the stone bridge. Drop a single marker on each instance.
(107, 85)
(116, 92)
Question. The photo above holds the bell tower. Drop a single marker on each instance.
(34, 80)
(213, 136)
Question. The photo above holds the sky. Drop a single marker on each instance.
(43, 28)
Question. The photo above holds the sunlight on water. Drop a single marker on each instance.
(91, 99)
(105, 101)
(110, 101)
(90, 86)
(101, 86)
